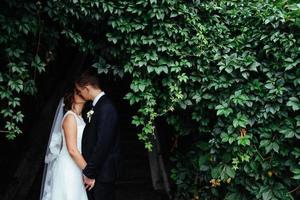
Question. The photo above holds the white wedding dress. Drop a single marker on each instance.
(67, 180)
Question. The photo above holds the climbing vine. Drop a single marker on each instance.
(225, 73)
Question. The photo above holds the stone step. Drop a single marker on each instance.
(134, 162)
(135, 170)
(136, 191)
(128, 131)
(134, 150)
(132, 182)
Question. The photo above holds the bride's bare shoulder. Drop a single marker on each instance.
(69, 120)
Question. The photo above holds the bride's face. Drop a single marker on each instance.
(78, 99)
(82, 92)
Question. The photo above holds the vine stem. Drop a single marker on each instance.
(175, 144)
(39, 40)
(295, 189)
(261, 155)
(40, 32)
(1, 131)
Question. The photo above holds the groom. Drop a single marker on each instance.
(100, 140)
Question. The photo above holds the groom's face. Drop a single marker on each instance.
(83, 92)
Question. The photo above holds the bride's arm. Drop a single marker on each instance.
(70, 131)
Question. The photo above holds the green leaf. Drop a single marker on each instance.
(244, 140)
(241, 120)
(230, 172)
(38, 64)
(294, 103)
(275, 147)
(254, 65)
(267, 195)
(296, 174)
(223, 110)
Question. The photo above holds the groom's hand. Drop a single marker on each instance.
(89, 183)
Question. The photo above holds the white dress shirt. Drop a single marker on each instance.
(98, 97)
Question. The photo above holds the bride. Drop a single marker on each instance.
(63, 178)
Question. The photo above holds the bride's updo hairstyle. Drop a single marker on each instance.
(68, 100)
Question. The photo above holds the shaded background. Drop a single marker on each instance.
(21, 163)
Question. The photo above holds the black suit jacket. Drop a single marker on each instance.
(101, 142)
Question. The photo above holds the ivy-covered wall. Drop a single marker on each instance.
(225, 72)
(244, 89)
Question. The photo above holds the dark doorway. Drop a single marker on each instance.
(22, 159)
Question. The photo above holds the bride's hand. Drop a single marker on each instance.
(89, 183)
(90, 186)
(94, 182)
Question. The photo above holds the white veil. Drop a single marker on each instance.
(53, 150)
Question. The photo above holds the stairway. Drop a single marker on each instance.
(135, 179)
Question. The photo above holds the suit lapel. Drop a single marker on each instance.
(91, 124)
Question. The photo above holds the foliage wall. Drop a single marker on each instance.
(224, 72)
(245, 94)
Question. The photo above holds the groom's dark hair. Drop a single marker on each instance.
(88, 78)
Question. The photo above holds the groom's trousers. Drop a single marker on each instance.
(102, 191)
